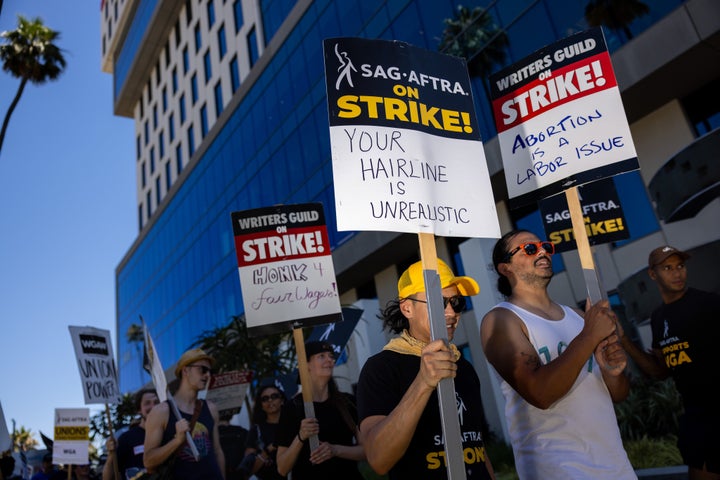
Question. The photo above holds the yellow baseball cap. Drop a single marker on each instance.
(412, 281)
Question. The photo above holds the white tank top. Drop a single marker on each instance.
(578, 436)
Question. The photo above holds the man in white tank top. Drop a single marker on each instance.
(560, 371)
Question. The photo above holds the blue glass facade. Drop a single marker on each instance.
(181, 273)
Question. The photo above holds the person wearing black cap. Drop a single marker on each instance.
(400, 419)
(165, 435)
(685, 334)
(335, 424)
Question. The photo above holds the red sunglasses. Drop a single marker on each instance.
(531, 248)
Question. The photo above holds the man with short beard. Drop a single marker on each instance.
(560, 370)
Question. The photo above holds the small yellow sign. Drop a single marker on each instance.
(72, 433)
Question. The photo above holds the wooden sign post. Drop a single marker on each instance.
(305, 382)
(594, 287)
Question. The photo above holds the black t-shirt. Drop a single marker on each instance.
(333, 429)
(130, 449)
(260, 437)
(386, 377)
(687, 332)
(232, 441)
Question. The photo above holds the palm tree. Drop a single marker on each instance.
(474, 36)
(30, 55)
(23, 439)
(615, 14)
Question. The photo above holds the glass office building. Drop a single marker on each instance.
(228, 98)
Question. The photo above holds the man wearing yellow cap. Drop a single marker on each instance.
(165, 437)
(397, 404)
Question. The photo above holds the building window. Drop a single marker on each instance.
(178, 37)
(198, 37)
(157, 73)
(167, 54)
(191, 140)
(188, 11)
(182, 109)
(164, 99)
(211, 14)
(148, 204)
(158, 193)
(208, 66)
(143, 175)
(149, 90)
(140, 217)
(234, 74)
(178, 160)
(237, 13)
(194, 88)
(218, 99)
(222, 43)
(252, 47)
(155, 117)
(152, 160)
(161, 144)
(138, 147)
(174, 80)
(147, 132)
(171, 127)
(168, 177)
(203, 121)
(186, 60)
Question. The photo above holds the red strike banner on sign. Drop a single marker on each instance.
(285, 268)
(298, 243)
(567, 84)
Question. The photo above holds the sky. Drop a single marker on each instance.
(67, 216)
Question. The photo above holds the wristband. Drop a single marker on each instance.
(301, 440)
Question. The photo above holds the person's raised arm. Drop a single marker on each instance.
(155, 452)
(386, 438)
(506, 346)
(612, 359)
(108, 472)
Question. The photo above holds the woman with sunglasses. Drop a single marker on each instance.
(260, 448)
(397, 401)
(335, 424)
(560, 369)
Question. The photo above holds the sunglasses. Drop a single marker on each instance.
(531, 248)
(457, 302)
(203, 368)
(272, 396)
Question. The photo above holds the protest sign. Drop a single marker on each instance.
(602, 214)
(560, 119)
(228, 389)
(96, 363)
(5, 440)
(152, 365)
(406, 149)
(72, 436)
(286, 270)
